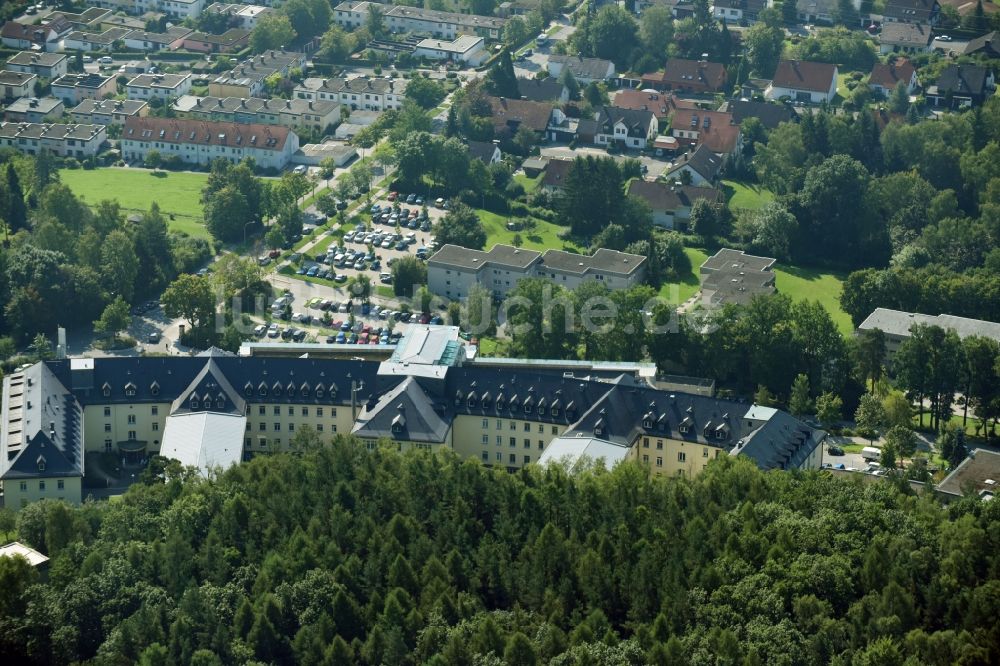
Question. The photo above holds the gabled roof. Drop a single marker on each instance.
(783, 442)
(888, 75)
(210, 390)
(405, 413)
(665, 197)
(804, 75)
(555, 172)
(963, 80)
(585, 68)
(703, 161)
(540, 90)
(204, 132)
(716, 129)
(770, 115)
(482, 150)
(911, 11)
(659, 104)
(905, 34)
(979, 473)
(988, 44)
(508, 113)
(679, 72)
(31, 33)
(636, 121)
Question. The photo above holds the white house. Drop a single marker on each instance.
(632, 128)
(158, 86)
(465, 49)
(803, 81)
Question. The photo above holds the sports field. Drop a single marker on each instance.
(177, 193)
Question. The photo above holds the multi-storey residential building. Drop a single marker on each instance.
(215, 409)
(452, 270)
(362, 92)
(315, 114)
(732, 276)
(33, 109)
(109, 111)
(896, 326)
(80, 141)
(200, 142)
(632, 128)
(16, 84)
(158, 86)
(247, 78)
(400, 18)
(74, 88)
(46, 65)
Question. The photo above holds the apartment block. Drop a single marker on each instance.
(362, 92)
(163, 87)
(109, 111)
(46, 65)
(80, 141)
(315, 114)
(33, 109)
(247, 78)
(74, 88)
(399, 18)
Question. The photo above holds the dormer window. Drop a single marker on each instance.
(154, 389)
(458, 398)
(305, 390)
(319, 391)
(262, 390)
(500, 402)
(106, 390)
(220, 401)
(599, 428)
(291, 391)
(194, 402)
(277, 389)
(130, 389)
(555, 411)
(527, 408)
(248, 389)
(471, 400)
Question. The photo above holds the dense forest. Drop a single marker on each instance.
(335, 554)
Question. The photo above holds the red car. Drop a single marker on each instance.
(393, 196)
(274, 254)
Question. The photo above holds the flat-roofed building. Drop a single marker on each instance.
(80, 141)
(33, 109)
(200, 142)
(314, 114)
(439, 24)
(361, 92)
(158, 86)
(16, 84)
(109, 111)
(171, 40)
(46, 65)
(78, 40)
(469, 50)
(896, 325)
(74, 88)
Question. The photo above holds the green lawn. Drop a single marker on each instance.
(543, 237)
(816, 285)
(689, 284)
(745, 195)
(177, 193)
(529, 184)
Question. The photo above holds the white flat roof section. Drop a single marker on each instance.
(572, 451)
(206, 440)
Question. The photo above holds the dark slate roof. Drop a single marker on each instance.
(584, 68)
(406, 413)
(963, 80)
(770, 115)
(911, 11)
(211, 391)
(482, 150)
(667, 197)
(637, 121)
(804, 75)
(163, 379)
(989, 44)
(540, 90)
(703, 161)
(783, 442)
(51, 427)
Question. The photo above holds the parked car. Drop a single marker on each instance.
(153, 337)
(259, 330)
(835, 451)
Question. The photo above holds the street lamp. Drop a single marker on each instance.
(245, 230)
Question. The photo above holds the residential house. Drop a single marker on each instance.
(295, 113)
(128, 22)
(452, 270)
(33, 109)
(200, 142)
(770, 115)
(163, 87)
(34, 558)
(905, 38)
(661, 105)
(234, 39)
(961, 85)
(701, 167)
(671, 203)
(628, 128)
(732, 276)
(80, 141)
(885, 77)
(978, 475)
(470, 50)
(79, 40)
(45, 65)
(690, 76)
(487, 152)
(361, 92)
(109, 111)
(90, 19)
(74, 88)
(821, 11)
(240, 16)
(548, 89)
(585, 70)
(438, 24)
(911, 11)
(897, 326)
(171, 40)
(510, 115)
(555, 172)
(247, 78)
(987, 45)
(714, 129)
(31, 37)
(803, 81)
(16, 84)
(738, 11)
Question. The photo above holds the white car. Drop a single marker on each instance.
(259, 330)
(106, 60)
